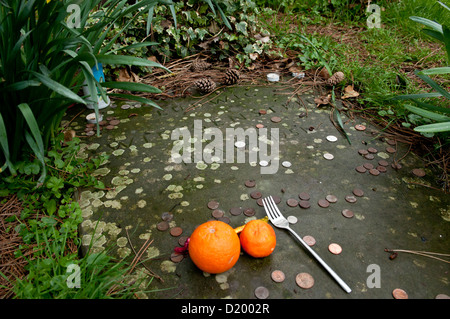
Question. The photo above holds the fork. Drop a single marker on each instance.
(279, 221)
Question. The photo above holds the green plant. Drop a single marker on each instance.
(440, 115)
(43, 62)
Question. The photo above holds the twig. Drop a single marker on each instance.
(421, 253)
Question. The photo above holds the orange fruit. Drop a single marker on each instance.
(214, 247)
(258, 239)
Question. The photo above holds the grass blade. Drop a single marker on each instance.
(433, 128)
(427, 114)
(5, 146)
(131, 86)
(136, 98)
(58, 88)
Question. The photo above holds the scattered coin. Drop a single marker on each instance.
(263, 163)
(442, 296)
(240, 144)
(331, 138)
(292, 219)
(292, 202)
(369, 157)
(167, 216)
(304, 280)
(276, 199)
(261, 293)
(90, 133)
(399, 294)
(331, 198)
(255, 195)
(276, 119)
(361, 169)
(182, 240)
(372, 150)
(323, 203)
(335, 248)
(374, 172)
(224, 219)
(249, 212)
(304, 204)
(259, 125)
(396, 166)
(390, 149)
(391, 142)
(235, 211)
(277, 276)
(286, 164)
(213, 204)
(304, 196)
(347, 213)
(114, 122)
(360, 127)
(218, 213)
(383, 163)
(162, 226)
(363, 152)
(176, 257)
(368, 165)
(262, 112)
(382, 169)
(350, 199)
(358, 192)
(110, 127)
(176, 231)
(328, 156)
(418, 172)
(250, 183)
(309, 240)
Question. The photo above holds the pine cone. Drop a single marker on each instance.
(231, 76)
(336, 78)
(205, 85)
(199, 65)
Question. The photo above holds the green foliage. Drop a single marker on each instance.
(43, 63)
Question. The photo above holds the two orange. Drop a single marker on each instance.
(215, 247)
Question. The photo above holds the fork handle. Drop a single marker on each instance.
(331, 271)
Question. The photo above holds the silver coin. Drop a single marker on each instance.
(331, 138)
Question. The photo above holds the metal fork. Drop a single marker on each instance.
(279, 221)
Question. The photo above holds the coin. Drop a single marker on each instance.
(369, 157)
(303, 196)
(292, 202)
(442, 296)
(372, 150)
(390, 149)
(213, 204)
(263, 163)
(259, 202)
(277, 276)
(249, 212)
(347, 213)
(381, 169)
(331, 138)
(176, 257)
(217, 213)
(109, 127)
(276, 119)
(309, 240)
(396, 166)
(391, 142)
(360, 127)
(374, 172)
(176, 231)
(331, 198)
(363, 152)
(182, 240)
(167, 216)
(259, 125)
(350, 198)
(335, 248)
(162, 226)
(304, 204)
(292, 219)
(399, 294)
(328, 156)
(114, 122)
(418, 172)
(383, 163)
(368, 165)
(361, 169)
(323, 203)
(261, 293)
(224, 219)
(255, 195)
(358, 192)
(276, 199)
(235, 211)
(250, 183)
(286, 164)
(262, 112)
(304, 280)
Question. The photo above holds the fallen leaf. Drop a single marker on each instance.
(349, 92)
(323, 100)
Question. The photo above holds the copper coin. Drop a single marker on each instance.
(347, 213)
(176, 257)
(182, 240)
(368, 165)
(176, 231)
(292, 202)
(309, 240)
(335, 248)
(276, 199)
(396, 166)
(399, 294)
(360, 127)
(369, 157)
(363, 152)
(102, 123)
(213, 205)
(304, 196)
(390, 149)
(323, 203)
(304, 280)
(418, 172)
(361, 169)
(250, 183)
(277, 276)
(350, 199)
(259, 202)
(276, 119)
(90, 125)
(259, 125)
(167, 216)
(331, 198)
(162, 226)
(255, 195)
(261, 293)
(90, 133)
(383, 163)
(262, 112)
(374, 172)
(382, 169)
(224, 219)
(442, 296)
(358, 192)
(304, 204)
(114, 122)
(249, 212)
(235, 211)
(217, 213)
(109, 127)
(372, 150)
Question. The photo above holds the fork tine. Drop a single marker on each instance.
(267, 208)
(275, 209)
(271, 205)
